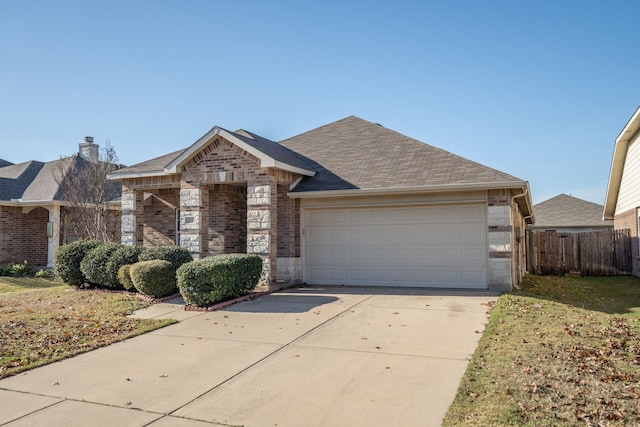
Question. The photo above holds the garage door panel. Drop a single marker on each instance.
(436, 246)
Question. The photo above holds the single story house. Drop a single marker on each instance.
(348, 203)
(567, 214)
(622, 203)
(32, 206)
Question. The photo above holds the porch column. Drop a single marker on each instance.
(132, 208)
(194, 200)
(262, 209)
(499, 236)
(53, 233)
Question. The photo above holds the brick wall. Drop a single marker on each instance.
(227, 219)
(160, 217)
(629, 219)
(23, 236)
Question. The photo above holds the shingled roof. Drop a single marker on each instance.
(353, 153)
(567, 211)
(4, 163)
(30, 181)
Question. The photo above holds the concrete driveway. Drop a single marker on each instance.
(334, 356)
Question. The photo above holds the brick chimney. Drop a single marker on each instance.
(88, 150)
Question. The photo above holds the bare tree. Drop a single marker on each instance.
(88, 194)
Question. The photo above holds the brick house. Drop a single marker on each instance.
(33, 209)
(622, 203)
(349, 203)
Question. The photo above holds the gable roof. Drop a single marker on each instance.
(268, 152)
(627, 134)
(567, 211)
(353, 153)
(4, 163)
(33, 181)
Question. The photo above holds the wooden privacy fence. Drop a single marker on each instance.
(597, 253)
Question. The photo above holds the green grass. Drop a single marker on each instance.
(15, 284)
(42, 321)
(561, 351)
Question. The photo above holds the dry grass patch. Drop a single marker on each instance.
(562, 351)
(46, 323)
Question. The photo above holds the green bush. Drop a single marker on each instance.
(67, 259)
(176, 255)
(124, 277)
(217, 278)
(155, 278)
(122, 256)
(93, 266)
(5, 270)
(21, 269)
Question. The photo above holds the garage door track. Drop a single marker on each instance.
(318, 356)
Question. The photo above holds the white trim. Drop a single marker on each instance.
(295, 183)
(116, 177)
(617, 164)
(400, 190)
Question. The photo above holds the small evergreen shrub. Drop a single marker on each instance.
(45, 274)
(21, 269)
(123, 255)
(5, 270)
(67, 259)
(93, 266)
(155, 278)
(176, 255)
(124, 277)
(217, 278)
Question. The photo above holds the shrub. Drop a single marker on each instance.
(43, 273)
(21, 269)
(93, 266)
(123, 255)
(5, 270)
(155, 278)
(124, 277)
(67, 259)
(214, 279)
(176, 255)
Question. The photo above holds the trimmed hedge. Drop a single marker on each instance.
(124, 277)
(66, 262)
(176, 255)
(217, 278)
(155, 278)
(124, 255)
(93, 266)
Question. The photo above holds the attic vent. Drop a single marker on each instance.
(380, 125)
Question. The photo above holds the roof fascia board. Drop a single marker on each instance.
(628, 133)
(265, 160)
(118, 177)
(400, 190)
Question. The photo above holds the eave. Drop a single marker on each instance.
(628, 133)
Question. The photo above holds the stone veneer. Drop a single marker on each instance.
(499, 240)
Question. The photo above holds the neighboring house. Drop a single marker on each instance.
(567, 214)
(32, 207)
(622, 203)
(349, 203)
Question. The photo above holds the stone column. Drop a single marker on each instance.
(193, 201)
(132, 221)
(53, 233)
(262, 204)
(500, 238)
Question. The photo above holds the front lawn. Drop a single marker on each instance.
(561, 351)
(42, 321)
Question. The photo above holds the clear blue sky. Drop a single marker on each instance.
(538, 89)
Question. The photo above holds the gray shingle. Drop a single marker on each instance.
(4, 163)
(156, 164)
(568, 211)
(354, 153)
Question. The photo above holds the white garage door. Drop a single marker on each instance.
(425, 246)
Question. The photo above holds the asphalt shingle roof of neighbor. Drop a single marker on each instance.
(353, 153)
(567, 211)
(4, 163)
(35, 181)
(156, 164)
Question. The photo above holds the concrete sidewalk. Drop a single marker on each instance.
(331, 356)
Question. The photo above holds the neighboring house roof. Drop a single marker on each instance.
(4, 163)
(628, 133)
(567, 211)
